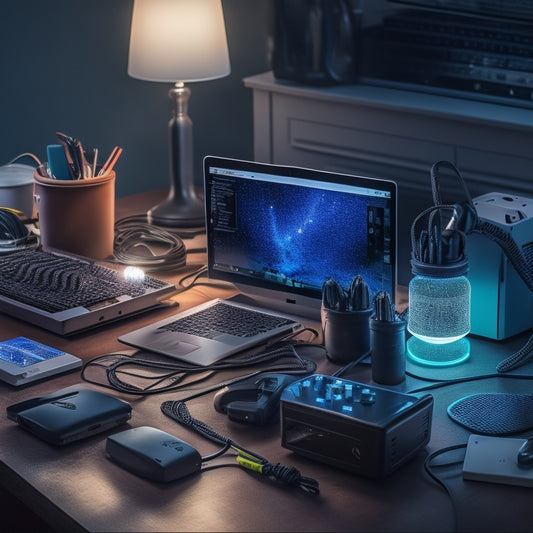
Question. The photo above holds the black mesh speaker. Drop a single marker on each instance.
(493, 413)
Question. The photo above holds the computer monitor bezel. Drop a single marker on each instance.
(292, 300)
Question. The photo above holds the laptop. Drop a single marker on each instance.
(68, 294)
(277, 233)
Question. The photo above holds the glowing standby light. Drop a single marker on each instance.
(134, 274)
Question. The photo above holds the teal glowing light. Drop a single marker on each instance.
(439, 320)
(439, 293)
(428, 354)
(439, 308)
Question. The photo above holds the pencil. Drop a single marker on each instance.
(111, 161)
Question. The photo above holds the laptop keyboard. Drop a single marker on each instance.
(56, 283)
(223, 318)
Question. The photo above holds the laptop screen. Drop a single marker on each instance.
(278, 232)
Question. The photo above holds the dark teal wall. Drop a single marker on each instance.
(63, 67)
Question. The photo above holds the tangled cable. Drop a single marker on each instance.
(143, 376)
(178, 411)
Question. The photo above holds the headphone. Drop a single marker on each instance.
(14, 235)
(11, 227)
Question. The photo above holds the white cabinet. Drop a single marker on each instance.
(396, 134)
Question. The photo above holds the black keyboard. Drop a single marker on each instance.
(55, 283)
(225, 318)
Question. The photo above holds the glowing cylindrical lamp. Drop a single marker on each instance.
(439, 294)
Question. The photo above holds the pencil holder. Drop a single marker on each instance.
(387, 342)
(344, 315)
(77, 216)
(346, 334)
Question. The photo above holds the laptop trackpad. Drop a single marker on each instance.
(175, 347)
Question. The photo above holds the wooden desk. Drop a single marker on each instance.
(77, 488)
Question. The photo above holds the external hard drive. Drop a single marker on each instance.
(69, 415)
(153, 454)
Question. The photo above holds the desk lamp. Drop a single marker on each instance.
(439, 293)
(178, 41)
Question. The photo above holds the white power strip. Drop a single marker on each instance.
(494, 459)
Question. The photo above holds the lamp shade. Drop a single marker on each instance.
(178, 41)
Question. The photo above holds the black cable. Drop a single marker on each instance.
(518, 358)
(134, 238)
(194, 275)
(178, 411)
(440, 482)
(435, 185)
(445, 383)
(172, 374)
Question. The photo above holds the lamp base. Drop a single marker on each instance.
(176, 213)
(428, 354)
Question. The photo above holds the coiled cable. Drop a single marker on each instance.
(150, 247)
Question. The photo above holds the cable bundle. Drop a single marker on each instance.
(178, 411)
(143, 375)
(134, 237)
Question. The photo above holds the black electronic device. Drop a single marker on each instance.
(254, 400)
(467, 48)
(151, 453)
(316, 42)
(367, 430)
(68, 415)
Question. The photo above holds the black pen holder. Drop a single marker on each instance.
(387, 343)
(346, 334)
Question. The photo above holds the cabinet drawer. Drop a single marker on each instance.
(363, 146)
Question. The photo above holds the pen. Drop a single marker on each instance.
(95, 159)
(111, 160)
(70, 154)
(384, 308)
(84, 165)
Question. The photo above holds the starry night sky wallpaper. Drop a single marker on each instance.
(297, 236)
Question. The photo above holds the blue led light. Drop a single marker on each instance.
(438, 355)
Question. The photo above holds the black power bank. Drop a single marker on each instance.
(69, 415)
(153, 454)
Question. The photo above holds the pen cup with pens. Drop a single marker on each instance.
(76, 200)
(345, 315)
(387, 342)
